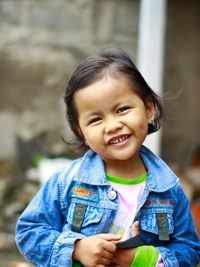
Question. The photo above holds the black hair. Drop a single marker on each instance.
(112, 62)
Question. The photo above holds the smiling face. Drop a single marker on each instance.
(113, 120)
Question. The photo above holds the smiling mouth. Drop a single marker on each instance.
(119, 139)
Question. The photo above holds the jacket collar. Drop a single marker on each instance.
(160, 176)
(91, 170)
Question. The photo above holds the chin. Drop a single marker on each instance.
(124, 157)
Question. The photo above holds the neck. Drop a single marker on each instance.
(127, 169)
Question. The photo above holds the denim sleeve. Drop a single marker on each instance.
(39, 234)
(184, 248)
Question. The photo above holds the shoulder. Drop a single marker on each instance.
(63, 174)
(79, 169)
(160, 176)
(66, 174)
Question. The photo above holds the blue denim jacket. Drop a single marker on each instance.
(44, 232)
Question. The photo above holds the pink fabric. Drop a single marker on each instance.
(160, 262)
(128, 199)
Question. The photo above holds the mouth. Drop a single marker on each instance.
(118, 139)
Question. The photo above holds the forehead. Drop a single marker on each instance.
(104, 93)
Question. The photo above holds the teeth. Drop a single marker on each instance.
(121, 139)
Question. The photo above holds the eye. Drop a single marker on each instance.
(122, 109)
(95, 120)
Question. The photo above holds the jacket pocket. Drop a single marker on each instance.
(150, 225)
(90, 218)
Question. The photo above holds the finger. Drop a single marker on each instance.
(135, 229)
(115, 260)
(110, 237)
(108, 255)
(110, 247)
(104, 261)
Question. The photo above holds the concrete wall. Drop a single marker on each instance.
(41, 42)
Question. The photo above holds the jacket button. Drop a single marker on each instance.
(112, 195)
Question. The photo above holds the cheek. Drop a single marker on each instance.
(139, 120)
(142, 130)
(140, 125)
(90, 137)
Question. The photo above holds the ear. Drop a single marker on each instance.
(150, 110)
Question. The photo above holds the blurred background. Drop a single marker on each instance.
(41, 42)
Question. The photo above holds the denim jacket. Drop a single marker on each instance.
(47, 229)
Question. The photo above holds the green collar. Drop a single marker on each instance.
(125, 181)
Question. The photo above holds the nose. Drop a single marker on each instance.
(112, 125)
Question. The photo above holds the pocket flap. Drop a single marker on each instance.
(91, 215)
(149, 222)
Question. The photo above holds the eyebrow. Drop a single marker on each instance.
(92, 114)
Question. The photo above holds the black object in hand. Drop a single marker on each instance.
(132, 242)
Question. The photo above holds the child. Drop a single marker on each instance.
(83, 212)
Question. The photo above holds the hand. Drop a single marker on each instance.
(135, 229)
(95, 251)
(124, 257)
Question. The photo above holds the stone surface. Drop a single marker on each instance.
(41, 43)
